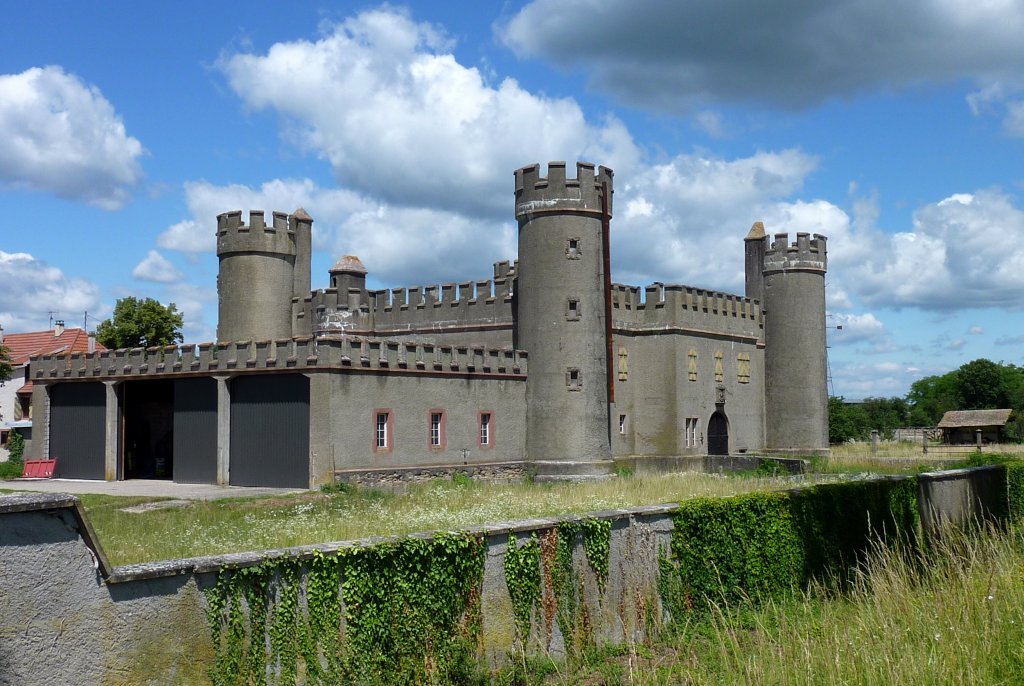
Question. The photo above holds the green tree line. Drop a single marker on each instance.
(978, 385)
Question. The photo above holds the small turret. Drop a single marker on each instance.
(754, 246)
(256, 280)
(348, 276)
(796, 391)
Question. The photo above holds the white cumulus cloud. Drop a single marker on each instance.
(961, 253)
(156, 267)
(62, 136)
(399, 118)
(30, 289)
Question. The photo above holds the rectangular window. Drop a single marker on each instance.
(573, 379)
(622, 425)
(486, 433)
(438, 439)
(691, 432)
(383, 428)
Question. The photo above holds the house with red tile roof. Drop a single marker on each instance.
(16, 394)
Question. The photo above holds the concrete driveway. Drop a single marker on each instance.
(142, 487)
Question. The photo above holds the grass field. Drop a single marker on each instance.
(955, 617)
(233, 525)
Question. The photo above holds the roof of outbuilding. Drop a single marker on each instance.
(957, 419)
(21, 346)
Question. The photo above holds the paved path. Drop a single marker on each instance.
(142, 487)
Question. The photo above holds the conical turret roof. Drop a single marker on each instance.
(348, 264)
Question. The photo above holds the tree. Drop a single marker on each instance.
(141, 324)
(16, 447)
(931, 397)
(5, 365)
(980, 383)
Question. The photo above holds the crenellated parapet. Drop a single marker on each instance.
(436, 306)
(538, 195)
(235, 236)
(302, 353)
(672, 306)
(805, 254)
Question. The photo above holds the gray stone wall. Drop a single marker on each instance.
(658, 395)
(343, 411)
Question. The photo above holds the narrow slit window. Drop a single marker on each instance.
(622, 425)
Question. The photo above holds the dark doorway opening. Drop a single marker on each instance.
(718, 434)
(148, 450)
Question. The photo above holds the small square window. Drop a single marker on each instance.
(572, 309)
(573, 251)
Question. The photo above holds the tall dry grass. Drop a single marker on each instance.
(952, 616)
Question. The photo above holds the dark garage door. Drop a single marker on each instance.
(195, 431)
(78, 413)
(270, 431)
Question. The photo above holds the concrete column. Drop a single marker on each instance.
(223, 430)
(39, 446)
(111, 423)
(874, 442)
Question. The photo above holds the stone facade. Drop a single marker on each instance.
(310, 385)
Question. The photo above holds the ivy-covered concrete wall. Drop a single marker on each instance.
(429, 606)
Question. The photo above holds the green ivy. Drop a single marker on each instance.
(1015, 489)
(597, 534)
(411, 615)
(522, 577)
(766, 545)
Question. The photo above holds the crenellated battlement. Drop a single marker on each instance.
(805, 254)
(554, 193)
(325, 353)
(233, 235)
(676, 306)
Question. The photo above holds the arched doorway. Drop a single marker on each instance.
(718, 434)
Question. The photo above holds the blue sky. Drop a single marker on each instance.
(896, 129)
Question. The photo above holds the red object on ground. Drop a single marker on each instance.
(38, 469)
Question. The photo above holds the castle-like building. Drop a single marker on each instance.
(548, 366)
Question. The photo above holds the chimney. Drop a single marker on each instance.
(91, 345)
(58, 328)
(1, 334)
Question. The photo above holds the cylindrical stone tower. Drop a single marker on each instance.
(561, 314)
(256, 279)
(796, 387)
